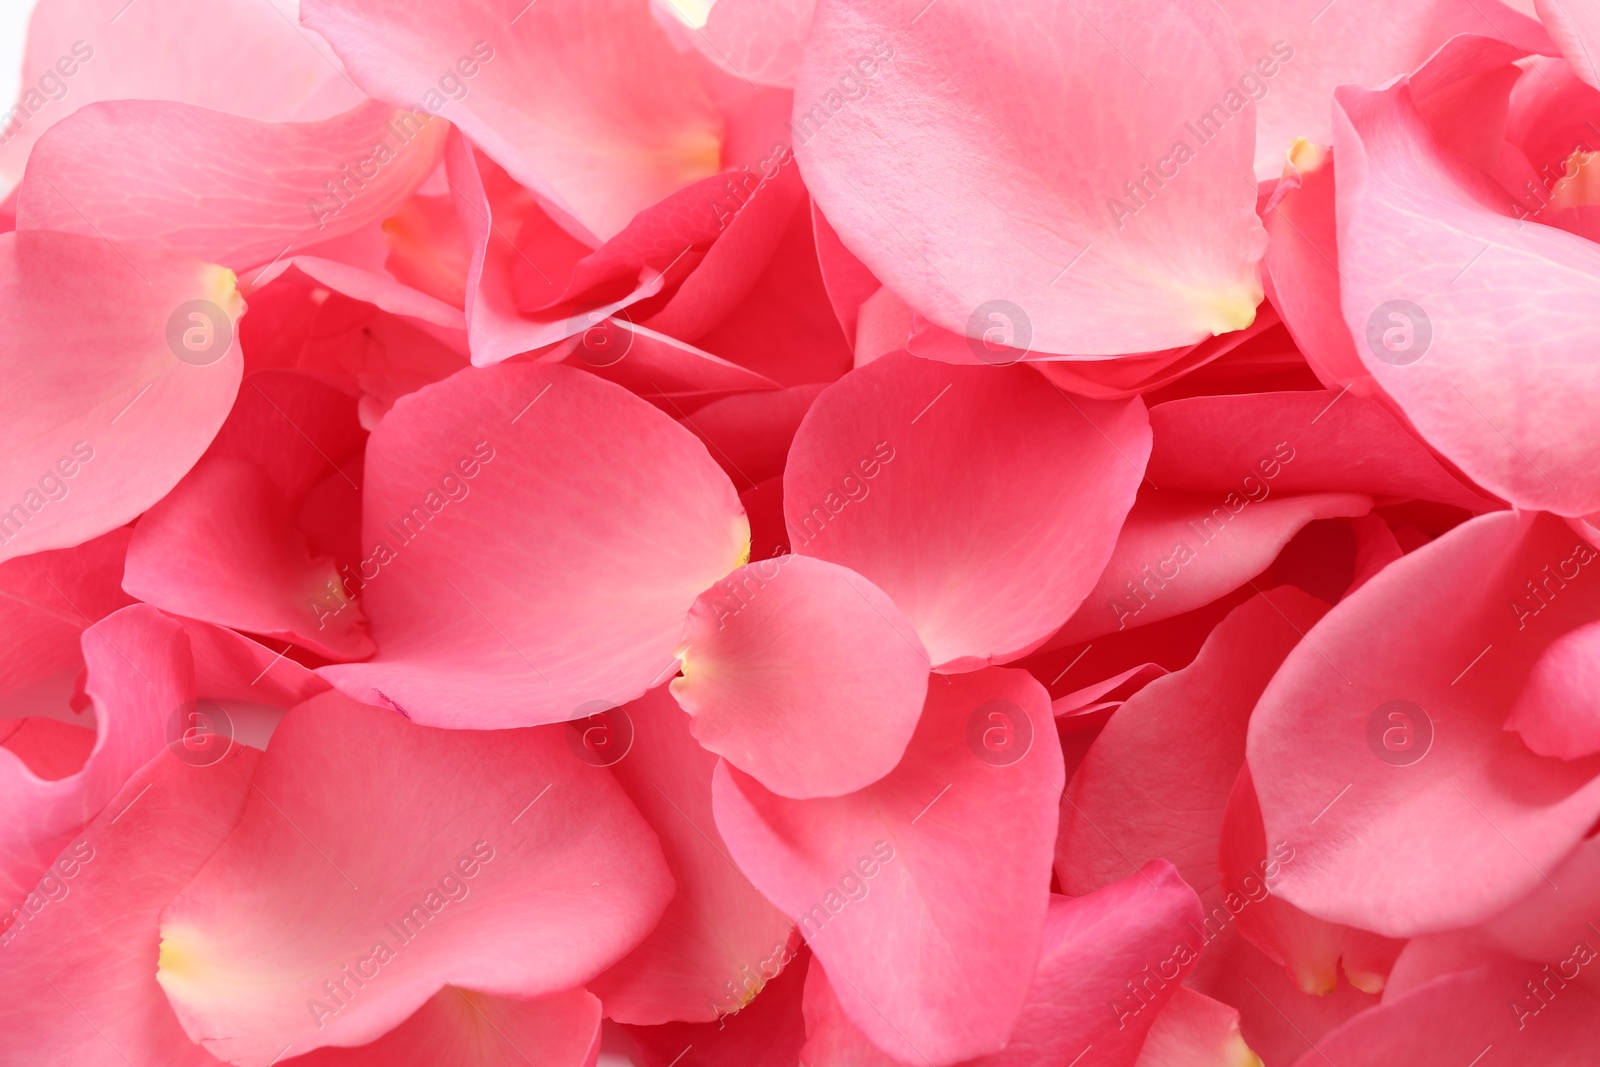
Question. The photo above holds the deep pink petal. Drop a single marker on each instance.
(1556, 714)
(1296, 442)
(139, 677)
(1179, 551)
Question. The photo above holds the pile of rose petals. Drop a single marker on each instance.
(757, 533)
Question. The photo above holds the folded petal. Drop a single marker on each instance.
(46, 601)
(139, 678)
(586, 103)
(719, 941)
(1379, 751)
(377, 862)
(758, 40)
(1440, 281)
(924, 894)
(942, 174)
(78, 986)
(590, 490)
(784, 656)
(145, 367)
(882, 453)
(226, 189)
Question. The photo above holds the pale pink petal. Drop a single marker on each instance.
(460, 1028)
(783, 657)
(107, 425)
(1195, 1031)
(924, 894)
(243, 59)
(377, 862)
(883, 453)
(758, 40)
(1575, 27)
(501, 505)
(229, 190)
(586, 103)
(719, 941)
(1379, 749)
(991, 162)
(79, 982)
